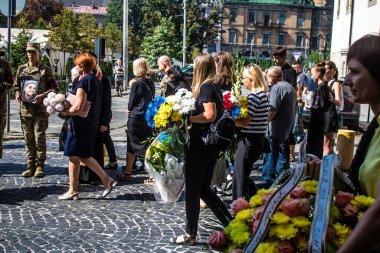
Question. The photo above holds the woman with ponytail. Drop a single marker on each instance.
(364, 80)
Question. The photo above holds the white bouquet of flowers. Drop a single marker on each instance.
(54, 102)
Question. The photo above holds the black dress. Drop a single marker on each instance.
(142, 92)
(82, 132)
(320, 106)
(331, 116)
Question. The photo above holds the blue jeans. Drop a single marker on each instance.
(274, 161)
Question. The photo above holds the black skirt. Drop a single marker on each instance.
(138, 131)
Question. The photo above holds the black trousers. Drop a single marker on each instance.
(249, 149)
(109, 146)
(199, 168)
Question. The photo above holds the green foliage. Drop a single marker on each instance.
(18, 55)
(195, 53)
(115, 13)
(113, 36)
(45, 60)
(88, 30)
(313, 58)
(23, 23)
(162, 41)
(40, 24)
(106, 68)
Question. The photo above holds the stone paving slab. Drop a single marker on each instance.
(32, 219)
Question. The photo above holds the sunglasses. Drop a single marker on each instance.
(251, 65)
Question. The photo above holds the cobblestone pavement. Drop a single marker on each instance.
(32, 219)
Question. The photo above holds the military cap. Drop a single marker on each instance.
(33, 46)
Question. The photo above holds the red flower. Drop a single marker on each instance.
(254, 226)
(217, 240)
(257, 214)
(265, 198)
(349, 213)
(227, 104)
(286, 247)
(343, 198)
(296, 207)
(238, 205)
(299, 192)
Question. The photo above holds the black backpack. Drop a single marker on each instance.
(221, 133)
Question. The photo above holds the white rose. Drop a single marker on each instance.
(50, 109)
(60, 98)
(46, 102)
(53, 102)
(59, 107)
(51, 95)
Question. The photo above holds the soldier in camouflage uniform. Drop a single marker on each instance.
(164, 64)
(6, 80)
(34, 118)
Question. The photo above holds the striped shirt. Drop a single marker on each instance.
(258, 108)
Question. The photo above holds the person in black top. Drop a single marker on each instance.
(200, 159)
(176, 81)
(290, 76)
(142, 92)
(321, 104)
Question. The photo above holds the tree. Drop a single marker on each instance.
(162, 41)
(40, 24)
(115, 13)
(88, 30)
(45, 9)
(18, 48)
(313, 58)
(113, 36)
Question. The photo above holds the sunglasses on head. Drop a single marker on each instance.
(251, 65)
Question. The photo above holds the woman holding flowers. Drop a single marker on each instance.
(201, 159)
(82, 132)
(142, 92)
(363, 60)
(252, 132)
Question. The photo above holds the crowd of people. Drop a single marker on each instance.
(276, 98)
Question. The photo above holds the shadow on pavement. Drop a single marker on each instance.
(18, 168)
(15, 196)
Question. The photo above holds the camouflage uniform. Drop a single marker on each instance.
(6, 80)
(164, 84)
(34, 118)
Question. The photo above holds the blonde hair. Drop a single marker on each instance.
(253, 72)
(140, 69)
(204, 71)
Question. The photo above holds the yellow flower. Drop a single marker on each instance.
(362, 201)
(280, 218)
(263, 192)
(238, 232)
(243, 102)
(267, 247)
(343, 232)
(310, 186)
(360, 215)
(243, 112)
(244, 215)
(255, 201)
(176, 117)
(283, 231)
(301, 222)
(302, 244)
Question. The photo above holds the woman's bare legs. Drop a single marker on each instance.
(95, 167)
(74, 166)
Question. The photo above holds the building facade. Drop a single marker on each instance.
(352, 20)
(255, 27)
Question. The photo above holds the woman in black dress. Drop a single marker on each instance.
(142, 92)
(321, 104)
(80, 143)
(201, 159)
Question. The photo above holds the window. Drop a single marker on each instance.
(266, 19)
(266, 38)
(251, 17)
(300, 20)
(299, 40)
(233, 16)
(317, 19)
(232, 37)
(251, 38)
(314, 42)
(282, 19)
(281, 39)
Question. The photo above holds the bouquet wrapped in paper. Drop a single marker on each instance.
(165, 157)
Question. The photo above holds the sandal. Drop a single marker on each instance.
(149, 181)
(125, 177)
(184, 239)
